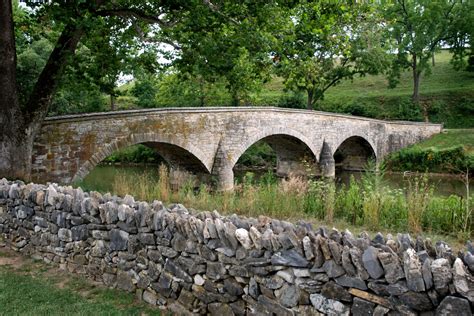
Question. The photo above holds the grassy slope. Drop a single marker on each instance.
(30, 287)
(451, 138)
(445, 86)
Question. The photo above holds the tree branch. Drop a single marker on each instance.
(144, 38)
(37, 106)
(137, 14)
(215, 9)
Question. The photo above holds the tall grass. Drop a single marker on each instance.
(368, 203)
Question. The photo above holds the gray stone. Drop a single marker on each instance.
(163, 286)
(118, 239)
(371, 262)
(186, 298)
(427, 275)
(469, 260)
(362, 307)
(65, 234)
(253, 288)
(288, 295)
(24, 212)
(273, 306)
(417, 301)
(273, 282)
(328, 306)
(290, 258)
(232, 287)
(404, 241)
(332, 269)
(220, 309)
(380, 310)
(351, 282)
(215, 270)
(379, 239)
(336, 251)
(79, 232)
(397, 289)
(124, 281)
(356, 256)
(286, 275)
(146, 238)
(99, 249)
(347, 262)
(391, 266)
(301, 273)
(442, 276)
(256, 237)
(149, 297)
(451, 305)
(412, 268)
(336, 292)
(308, 248)
(176, 271)
(379, 288)
(463, 280)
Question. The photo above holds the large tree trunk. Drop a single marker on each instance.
(19, 125)
(15, 140)
(310, 103)
(112, 102)
(416, 80)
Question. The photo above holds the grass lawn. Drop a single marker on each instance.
(451, 138)
(29, 287)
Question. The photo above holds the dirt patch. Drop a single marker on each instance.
(10, 258)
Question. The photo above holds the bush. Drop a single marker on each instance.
(430, 160)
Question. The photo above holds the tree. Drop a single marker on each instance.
(21, 121)
(238, 51)
(326, 42)
(418, 28)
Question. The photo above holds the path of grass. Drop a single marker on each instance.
(30, 287)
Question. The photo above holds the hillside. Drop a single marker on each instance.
(448, 93)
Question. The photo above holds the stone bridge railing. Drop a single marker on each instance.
(207, 263)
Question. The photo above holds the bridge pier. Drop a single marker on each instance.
(225, 179)
(327, 163)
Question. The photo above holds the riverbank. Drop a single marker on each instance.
(365, 203)
(452, 152)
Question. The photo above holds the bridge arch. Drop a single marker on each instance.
(275, 133)
(353, 153)
(154, 140)
(278, 139)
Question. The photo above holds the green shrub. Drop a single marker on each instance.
(430, 160)
(135, 154)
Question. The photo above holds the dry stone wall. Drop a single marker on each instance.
(204, 263)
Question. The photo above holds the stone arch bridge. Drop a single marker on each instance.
(211, 140)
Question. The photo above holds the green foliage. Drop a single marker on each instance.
(145, 92)
(135, 154)
(175, 89)
(369, 203)
(430, 160)
(417, 29)
(328, 41)
(259, 154)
